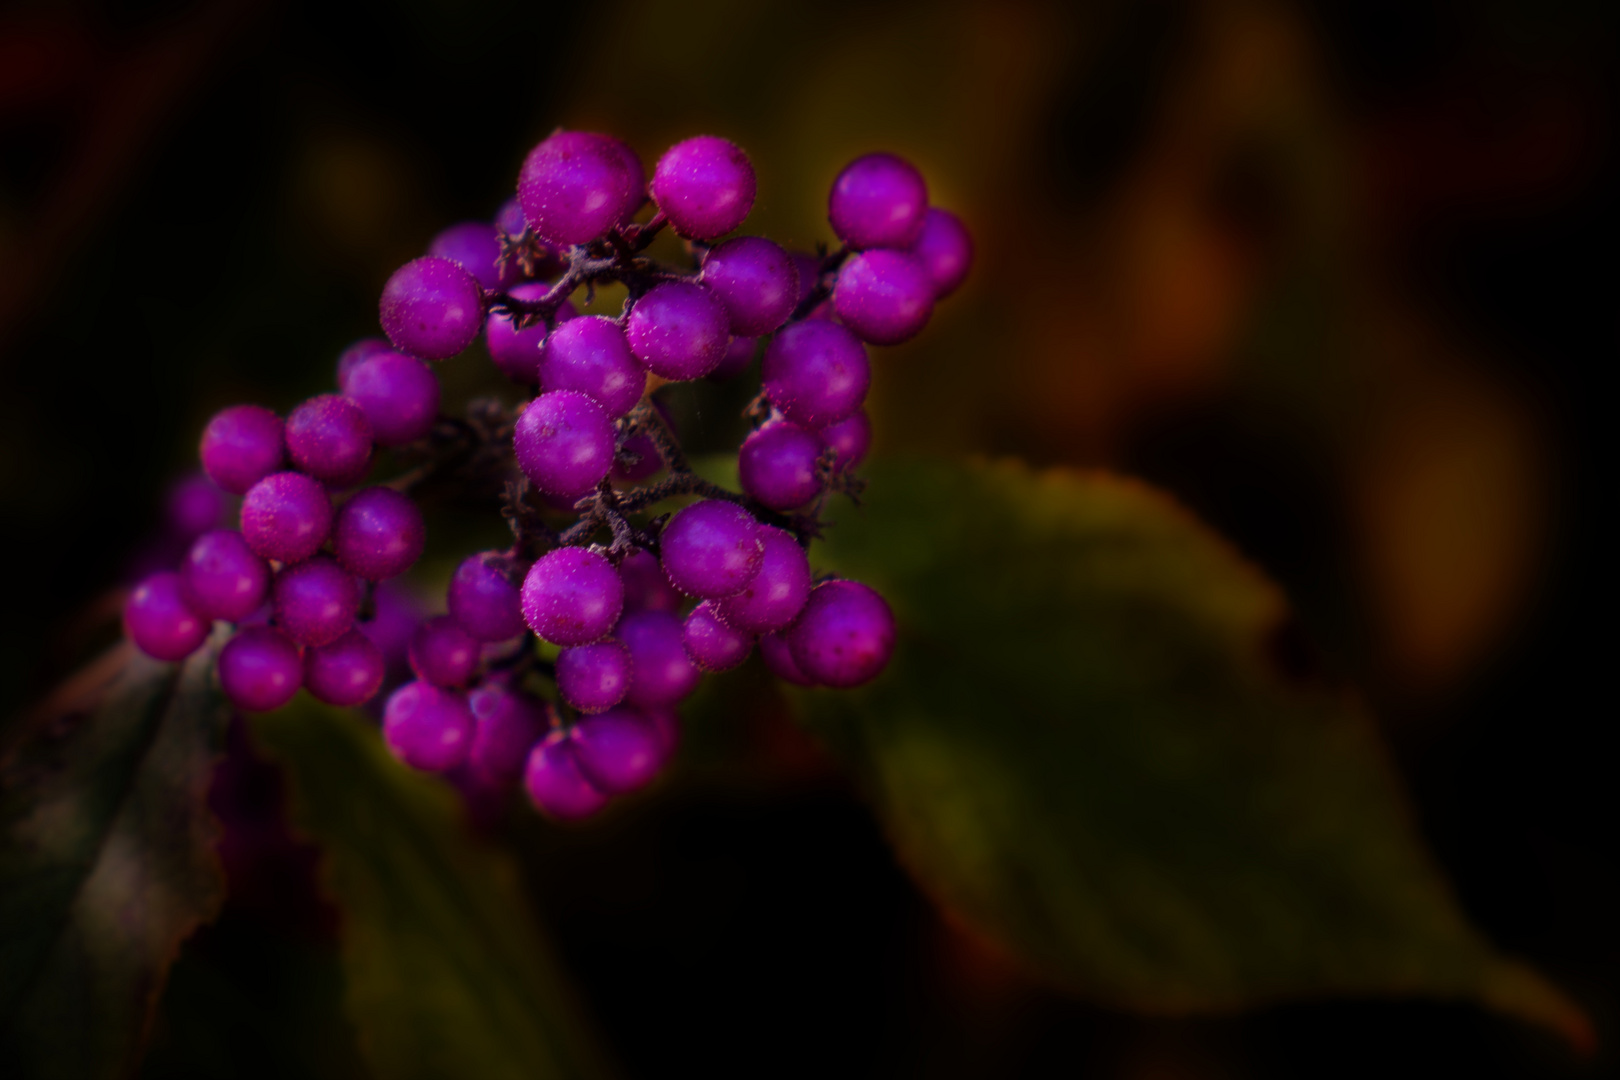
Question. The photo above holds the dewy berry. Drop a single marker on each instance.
(640, 602)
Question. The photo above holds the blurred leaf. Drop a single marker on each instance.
(1084, 750)
(447, 976)
(107, 862)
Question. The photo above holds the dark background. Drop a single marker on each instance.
(1338, 275)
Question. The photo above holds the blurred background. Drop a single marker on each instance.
(1336, 274)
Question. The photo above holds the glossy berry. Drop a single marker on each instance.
(286, 517)
(354, 356)
(618, 751)
(259, 669)
(346, 672)
(778, 657)
(576, 185)
(704, 186)
(398, 394)
(193, 506)
(816, 373)
(944, 250)
(661, 671)
(475, 246)
(442, 653)
(679, 330)
(572, 596)
(507, 723)
(711, 548)
(329, 438)
(431, 308)
(221, 578)
(756, 281)
(241, 446)
(844, 636)
(777, 465)
(591, 355)
(483, 601)
(428, 727)
(711, 643)
(315, 601)
(517, 352)
(885, 296)
(555, 784)
(777, 593)
(594, 677)
(849, 439)
(646, 460)
(646, 586)
(160, 622)
(378, 534)
(739, 354)
(879, 200)
(564, 443)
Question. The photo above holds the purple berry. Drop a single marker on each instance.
(944, 250)
(483, 601)
(428, 727)
(397, 616)
(315, 601)
(555, 783)
(354, 356)
(646, 460)
(576, 185)
(193, 507)
(849, 440)
(756, 281)
(160, 622)
(661, 671)
(591, 355)
(241, 446)
(378, 534)
(572, 596)
(442, 653)
(509, 722)
(713, 645)
(844, 636)
(808, 268)
(704, 186)
(777, 465)
(778, 657)
(778, 592)
(564, 443)
(517, 352)
(618, 751)
(739, 354)
(878, 201)
(222, 578)
(885, 296)
(594, 677)
(509, 218)
(398, 394)
(346, 672)
(475, 246)
(646, 586)
(711, 548)
(679, 330)
(816, 373)
(329, 438)
(259, 669)
(431, 308)
(286, 517)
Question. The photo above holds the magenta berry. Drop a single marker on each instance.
(241, 446)
(849, 439)
(398, 394)
(711, 643)
(885, 296)
(564, 443)
(778, 657)
(844, 635)
(646, 586)
(354, 356)
(879, 200)
(777, 593)
(378, 534)
(816, 373)
(508, 723)
(755, 280)
(704, 186)
(315, 601)
(661, 671)
(221, 577)
(260, 669)
(509, 218)
(442, 653)
(711, 548)
(483, 601)
(777, 465)
(679, 330)
(572, 596)
(193, 507)
(555, 783)
(346, 672)
(428, 727)
(636, 460)
(160, 622)
(739, 354)
(517, 352)
(618, 751)
(944, 250)
(431, 308)
(286, 517)
(475, 246)
(591, 355)
(594, 677)
(575, 186)
(329, 438)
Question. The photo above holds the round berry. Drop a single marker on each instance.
(815, 372)
(661, 671)
(713, 645)
(160, 622)
(442, 653)
(711, 548)
(704, 186)
(844, 636)
(346, 672)
(564, 443)
(398, 394)
(475, 246)
(329, 438)
(241, 446)
(508, 723)
(483, 601)
(591, 355)
(378, 534)
(756, 281)
(594, 677)
(259, 669)
(396, 618)
(739, 354)
(222, 578)
(618, 751)
(884, 296)
(778, 657)
(777, 465)
(646, 586)
(944, 250)
(576, 185)
(878, 201)
(315, 601)
(432, 308)
(517, 352)
(354, 356)
(286, 517)
(849, 439)
(428, 727)
(509, 218)
(572, 596)
(193, 506)
(636, 460)
(679, 330)
(778, 592)
(555, 783)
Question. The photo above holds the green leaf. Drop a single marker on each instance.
(107, 862)
(446, 973)
(1083, 750)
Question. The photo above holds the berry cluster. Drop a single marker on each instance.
(589, 571)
